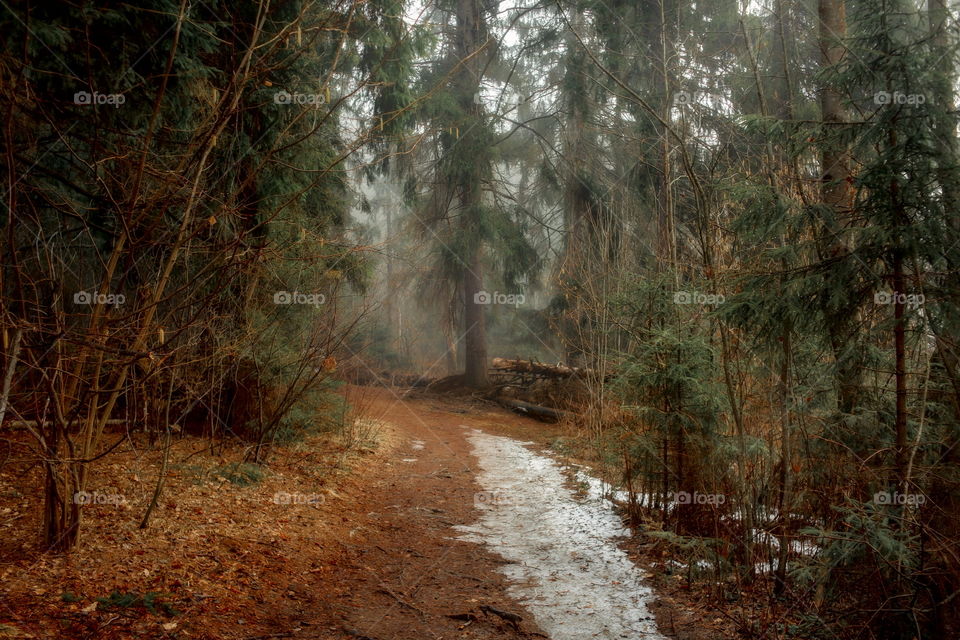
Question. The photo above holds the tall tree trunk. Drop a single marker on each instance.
(666, 240)
(836, 194)
(578, 225)
(470, 32)
(475, 342)
(900, 349)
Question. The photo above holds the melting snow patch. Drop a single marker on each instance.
(566, 566)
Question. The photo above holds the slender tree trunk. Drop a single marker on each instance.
(900, 368)
(786, 460)
(450, 357)
(900, 352)
(390, 300)
(61, 508)
(899, 282)
(667, 244)
(8, 374)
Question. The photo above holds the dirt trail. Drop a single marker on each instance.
(402, 571)
(376, 558)
(394, 550)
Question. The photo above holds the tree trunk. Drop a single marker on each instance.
(467, 82)
(786, 460)
(475, 341)
(836, 194)
(835, 163)
(61, 508)
(61, 515)
(900, 369)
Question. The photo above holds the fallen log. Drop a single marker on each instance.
(531, 368)
(534, 410)
(536, 368)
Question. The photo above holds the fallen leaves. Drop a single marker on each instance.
(178, 556)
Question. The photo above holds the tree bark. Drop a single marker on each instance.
(786, 460)
(470, 31)
(475, 341)
(836, 195)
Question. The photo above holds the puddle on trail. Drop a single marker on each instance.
(565, 566)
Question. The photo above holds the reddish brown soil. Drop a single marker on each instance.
(402, 572)
(378, 558)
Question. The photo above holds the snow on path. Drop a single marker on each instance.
(565, 566)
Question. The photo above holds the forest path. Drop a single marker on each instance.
(400, 571)
(403, 567)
